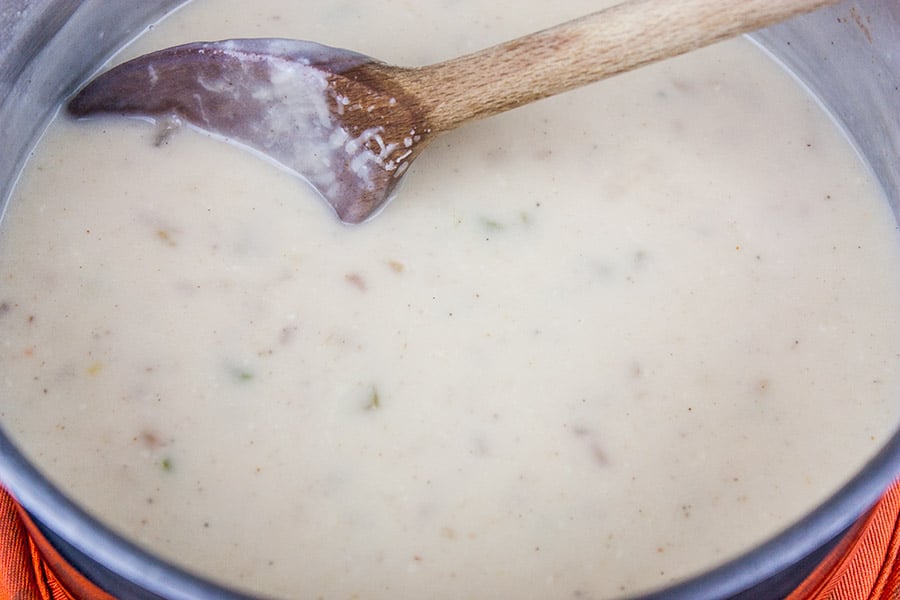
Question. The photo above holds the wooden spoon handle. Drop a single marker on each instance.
(605, 43)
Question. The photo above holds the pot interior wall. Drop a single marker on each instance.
(47, 48)
(849, 58)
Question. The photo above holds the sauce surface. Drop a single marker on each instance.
(597, 344)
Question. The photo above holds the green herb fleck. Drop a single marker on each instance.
(166, 464)
(491, 224)
(241, 374)
(374, 400)
(95, 368)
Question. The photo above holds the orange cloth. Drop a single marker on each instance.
(866, 563)
(30, 569)
(864, 566)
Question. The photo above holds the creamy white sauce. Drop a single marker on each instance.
(596, 345)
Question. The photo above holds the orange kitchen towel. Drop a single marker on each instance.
(866, 563)
(30, 568)
(864, 566)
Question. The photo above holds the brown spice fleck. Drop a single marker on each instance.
(150, 439)
(859, 23)
(165, 237)
(599, 455)
(580, 431)
(356, 280)
(287, 334)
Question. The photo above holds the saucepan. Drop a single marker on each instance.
(847, 55)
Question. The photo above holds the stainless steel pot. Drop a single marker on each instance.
(849, 57)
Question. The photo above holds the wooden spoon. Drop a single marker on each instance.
(351, 125)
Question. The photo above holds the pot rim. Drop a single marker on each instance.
(56, 511)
